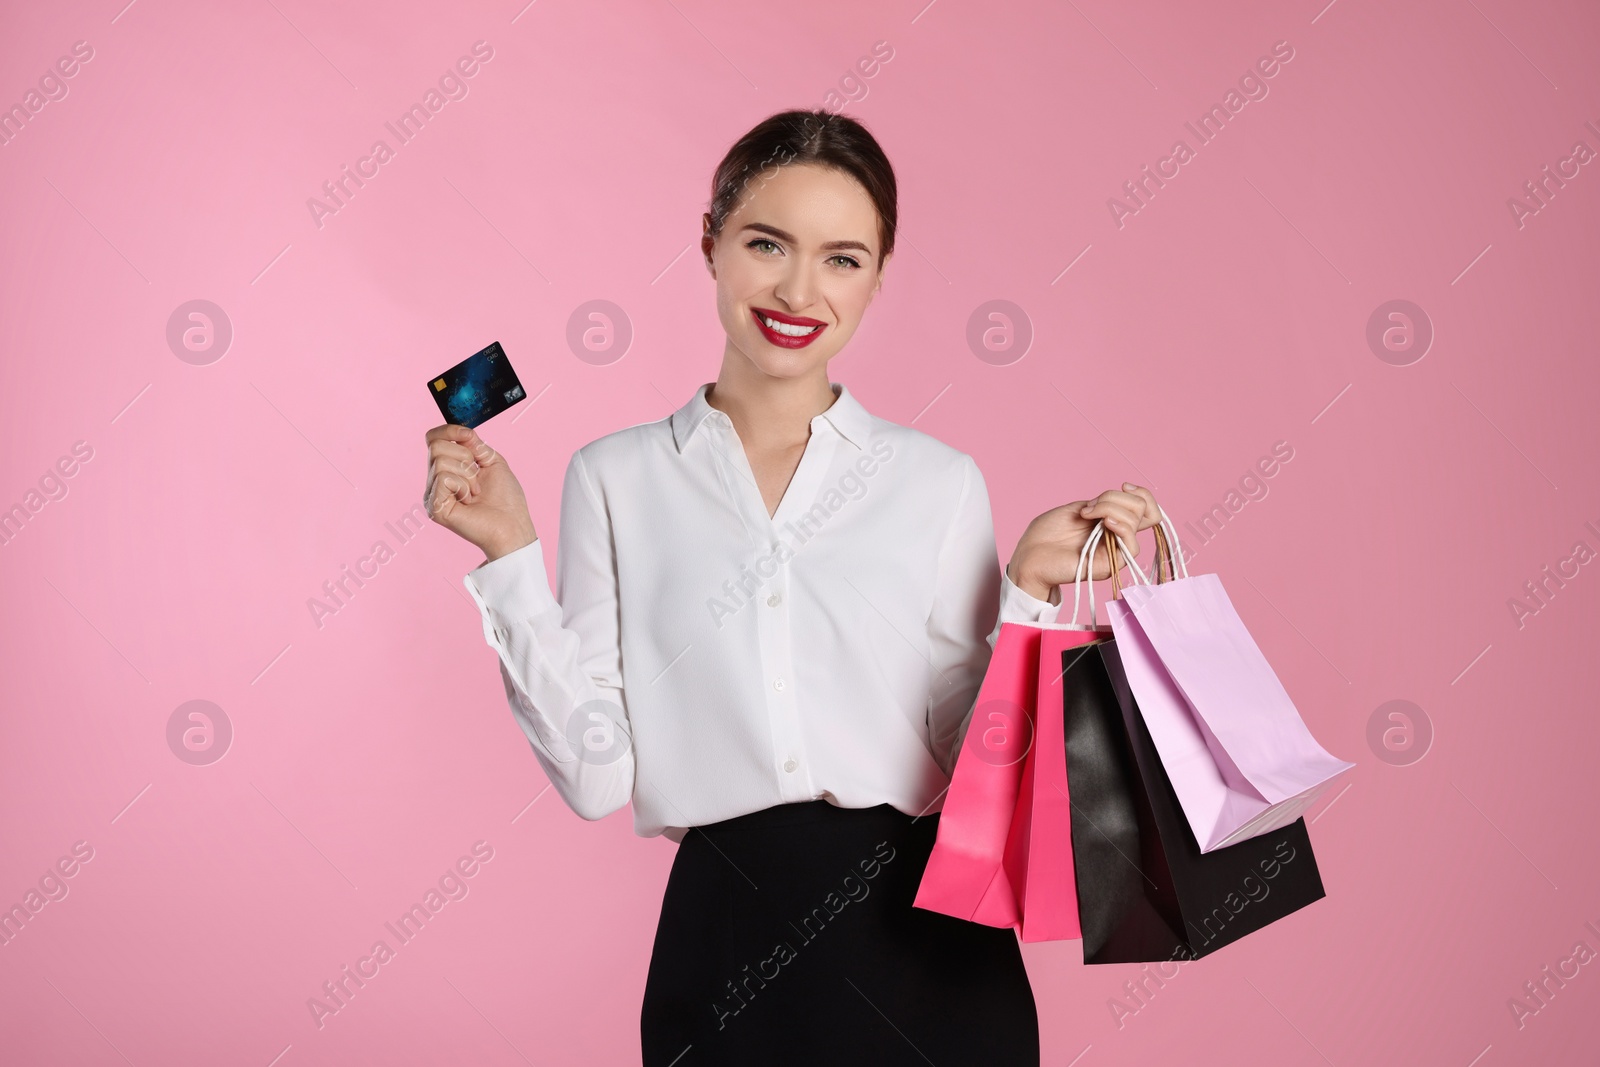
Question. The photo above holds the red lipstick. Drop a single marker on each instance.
(787, 340)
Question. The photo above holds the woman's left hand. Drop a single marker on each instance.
(1047, 555)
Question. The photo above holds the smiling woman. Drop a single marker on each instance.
(834, 181)
(782, 744)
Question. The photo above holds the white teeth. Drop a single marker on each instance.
(788, 330)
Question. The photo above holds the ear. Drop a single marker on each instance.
(881, 268)
(707, 243)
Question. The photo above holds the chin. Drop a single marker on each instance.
(779, 364)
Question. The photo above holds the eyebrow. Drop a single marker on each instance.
(761, 227)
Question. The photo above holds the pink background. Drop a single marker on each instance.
(1228, 314)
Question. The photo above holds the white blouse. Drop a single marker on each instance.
(706, 660)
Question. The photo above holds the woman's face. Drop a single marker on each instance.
(796, 265)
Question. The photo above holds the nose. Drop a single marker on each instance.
(798, 285)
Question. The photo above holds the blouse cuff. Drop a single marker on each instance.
(510, 590)
(1017, 605)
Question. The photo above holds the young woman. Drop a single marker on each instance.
(771, 615)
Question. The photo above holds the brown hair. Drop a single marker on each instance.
(818, 137)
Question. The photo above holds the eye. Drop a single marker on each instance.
(762, 241)
(849, 260)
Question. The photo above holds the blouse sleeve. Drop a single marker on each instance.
(972, 598)
(560, 655)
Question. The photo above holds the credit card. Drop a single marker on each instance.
(478, 388)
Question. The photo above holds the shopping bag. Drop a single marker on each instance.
(1146, 891)
(1002, 855)
(967, 874)
(1049, 897)
(1237, 752)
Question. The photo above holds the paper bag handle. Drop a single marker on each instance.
(1168, 564)
(1086, 570)
(1175, 550)
(1163, 568)
(1085, 567)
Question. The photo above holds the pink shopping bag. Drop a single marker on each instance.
(968, 874)
(1241, 759)
(1003, 854)
(1049, 897)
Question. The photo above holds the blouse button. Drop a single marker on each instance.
(778, 684)
(790, 765)
(772, 601)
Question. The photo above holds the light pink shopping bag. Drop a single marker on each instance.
(1241, 759)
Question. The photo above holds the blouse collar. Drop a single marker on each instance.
(845, 414)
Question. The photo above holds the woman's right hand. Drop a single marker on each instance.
(472, 493)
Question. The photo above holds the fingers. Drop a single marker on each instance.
(465, 437)
(438, 503)
(447, 455)
(1100, 565)
(1121, 512)
(453, 468)
(456, 455)
(1152, 510)
(444, 492)
(448, 432)
(1127, 511)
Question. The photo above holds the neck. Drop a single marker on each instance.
(769, 412)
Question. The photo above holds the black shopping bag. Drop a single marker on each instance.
(1145, 890)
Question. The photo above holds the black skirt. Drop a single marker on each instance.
(787, 936)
